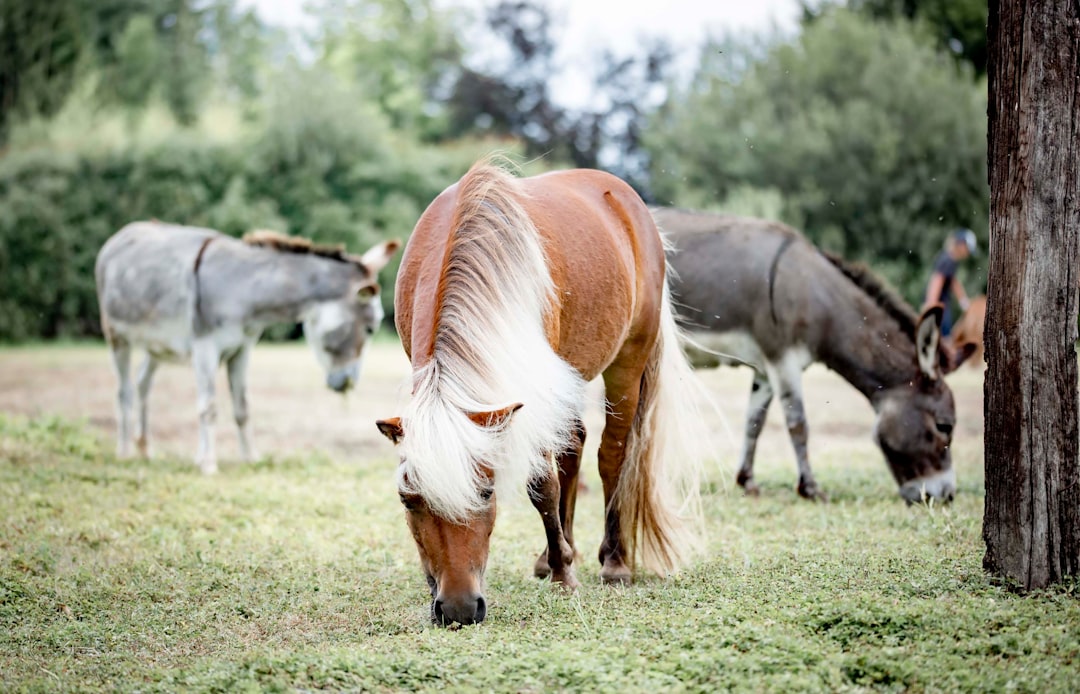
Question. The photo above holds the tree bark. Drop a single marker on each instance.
(1031, 522)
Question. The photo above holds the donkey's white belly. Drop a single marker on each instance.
(172, 340)
(734, 348)
(167, 341)
(708, 349)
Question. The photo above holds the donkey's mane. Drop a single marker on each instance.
(887, 298)
(275, 240)
(490, 350)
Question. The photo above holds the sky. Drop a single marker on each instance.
(589, 25)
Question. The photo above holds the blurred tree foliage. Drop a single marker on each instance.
(403, 55)
(959, 26)
(859, 131)
(511, 95)
(40, 44)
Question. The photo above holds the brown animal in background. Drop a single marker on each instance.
(970, 329)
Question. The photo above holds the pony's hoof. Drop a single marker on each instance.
(567, 581)
(616, 574)
(208, 467)
(541, 569)
(143, 448)
(813, 492)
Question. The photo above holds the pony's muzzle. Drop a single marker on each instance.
(465, 610)
(940, 486)
(340, 380)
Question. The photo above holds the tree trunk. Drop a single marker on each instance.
(1031, 522)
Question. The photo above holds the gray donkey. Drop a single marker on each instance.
(756, 292)
(185, 293)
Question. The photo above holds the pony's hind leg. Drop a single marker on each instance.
(622, 386)
(559, 556)
(237, 367)
(761, 395)
(121, 356)
(569, 462)
(143, 382)
(787, 379)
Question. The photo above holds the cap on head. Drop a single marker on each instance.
(967, 237)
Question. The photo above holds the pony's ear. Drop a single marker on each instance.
(391, 429)
(379, 255)
(495, 418)
(959, 355)
(927, 337)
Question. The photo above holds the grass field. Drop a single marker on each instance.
(298, 572)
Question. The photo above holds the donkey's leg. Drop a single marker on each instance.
(237, 368)
(146, 377)
(559, 556)
(569, 465)
(204, 357)
(761, 394)
(623, 390)
(787, 378)
(121, 356)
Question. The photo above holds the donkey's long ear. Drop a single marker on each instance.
(927, 337)
(495, 418)
(391, 429)
(379, 255)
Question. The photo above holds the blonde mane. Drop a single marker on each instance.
(490, 350)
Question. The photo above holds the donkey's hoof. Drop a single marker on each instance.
(745, 479)
(616, 573)
(541, 569)
(208, 467)
(812, 492)
(143, 448)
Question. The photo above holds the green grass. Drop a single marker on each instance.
(298, 573)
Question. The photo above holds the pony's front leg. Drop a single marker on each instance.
(569, 466)
(544, 493)
(237, 368)
(204, 357)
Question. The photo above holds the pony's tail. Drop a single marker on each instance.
(658, 494)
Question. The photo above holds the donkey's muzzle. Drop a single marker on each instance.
(340, 380)
(940, 486)
(468, 609)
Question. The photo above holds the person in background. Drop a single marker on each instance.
(943, 284)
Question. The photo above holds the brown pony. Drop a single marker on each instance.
(512, 294)
(969, 329)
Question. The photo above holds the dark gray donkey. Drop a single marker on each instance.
(760, 293)
(184, 293)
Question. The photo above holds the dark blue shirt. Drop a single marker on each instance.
(945, 265)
